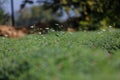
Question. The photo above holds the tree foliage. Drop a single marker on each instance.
(95, 13)
(3, 15)
(32, 15)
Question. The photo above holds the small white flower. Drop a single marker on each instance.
(53, 30)
(103, 30)
(31, 26)
(44, 37)
(46, 28)
(110, 26)
(99, 32)
(6, 35)
(57, 24)
(39, 32)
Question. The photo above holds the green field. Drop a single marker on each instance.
(61, 56)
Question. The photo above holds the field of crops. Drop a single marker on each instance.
(61, 56)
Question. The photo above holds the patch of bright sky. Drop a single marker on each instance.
(64, 17)
(7, 5)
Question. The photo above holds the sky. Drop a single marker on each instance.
(7, 9)
(7, 6)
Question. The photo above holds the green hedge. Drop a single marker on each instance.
(109, 40)
(61, 56)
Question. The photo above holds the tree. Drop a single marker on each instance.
(33, 15)
(3, 15)
(95, 13)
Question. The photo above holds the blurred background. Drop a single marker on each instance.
(93, 53)
(61, 14)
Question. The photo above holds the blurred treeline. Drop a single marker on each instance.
(78, 14)
(4, 17)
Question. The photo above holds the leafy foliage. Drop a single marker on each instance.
(60, 55)
(32, 15)
(96, 14)
(106, 40)
(3, 15)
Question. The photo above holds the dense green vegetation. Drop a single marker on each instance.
(61, 56)
(95, 14)
(82, 55)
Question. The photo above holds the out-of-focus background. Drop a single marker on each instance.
(77, 14)
(81, 40)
